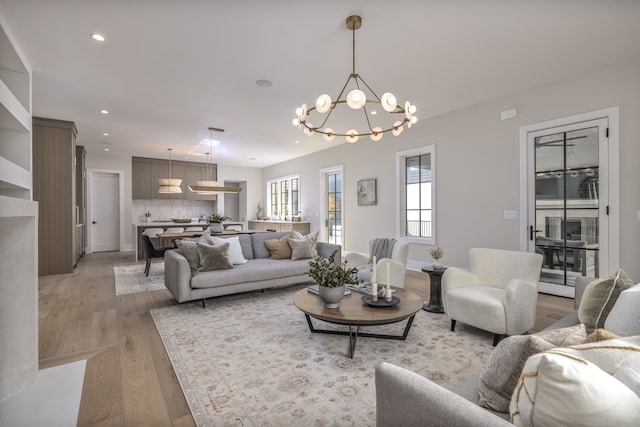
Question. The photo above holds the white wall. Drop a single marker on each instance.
(477, 158)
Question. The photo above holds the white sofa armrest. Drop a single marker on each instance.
(520, 312)
(404, 398)
(356, 259)
(454, 278)
(396, 272)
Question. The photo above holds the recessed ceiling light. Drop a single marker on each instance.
(297, 142)
(105, 134)
(106, 149)
(264, 83)
(97, 37)
(374, 112)
(103, 111)
(105, 142)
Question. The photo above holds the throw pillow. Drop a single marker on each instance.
(301, 251)
(500, 374)
(235, 249)
(599, 298)
(279, 248)
(189, 250)
(624, 317)
(585, 385)
(214, 257)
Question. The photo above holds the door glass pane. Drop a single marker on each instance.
(334, 208)
(567, 215)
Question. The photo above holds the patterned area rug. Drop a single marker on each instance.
(130, 279)
(250, 360)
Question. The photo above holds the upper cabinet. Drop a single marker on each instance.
(15, 121)
(146, 172)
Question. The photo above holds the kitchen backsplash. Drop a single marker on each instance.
(167, 209)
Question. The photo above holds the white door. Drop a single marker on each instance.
(569, 202)
(104, 197)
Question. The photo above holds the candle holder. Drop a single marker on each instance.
(374, 291)
(388, 295)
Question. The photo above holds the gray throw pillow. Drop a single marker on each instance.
(599, 298)
(302, 249)
(214, 257)
(500, 374)
(189, 250)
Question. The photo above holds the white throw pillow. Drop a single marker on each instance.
(595, 384)
(235, 249)
(624, 318)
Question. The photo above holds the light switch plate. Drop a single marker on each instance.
(510, 214)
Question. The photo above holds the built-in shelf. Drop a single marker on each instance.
(18, 223)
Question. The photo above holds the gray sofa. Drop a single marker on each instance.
(404, 398)
(259, 272)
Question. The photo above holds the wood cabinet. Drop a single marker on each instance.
(146, 172)
(79, 241)
(302, 227)
(54, 187)
(81, 198)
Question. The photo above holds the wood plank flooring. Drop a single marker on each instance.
(129, 380)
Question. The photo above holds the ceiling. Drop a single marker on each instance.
(170, 69)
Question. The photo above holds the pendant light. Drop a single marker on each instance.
(209, 186)
(168, 185)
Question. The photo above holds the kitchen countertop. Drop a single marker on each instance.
(273, 220)
(168, 223)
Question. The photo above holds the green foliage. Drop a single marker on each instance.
(326, 272)
(216, 218)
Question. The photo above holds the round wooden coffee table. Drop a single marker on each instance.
(354, 313)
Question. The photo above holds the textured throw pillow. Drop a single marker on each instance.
(500, 374)
(279, 248)
(624, 317)
(235, 249)
(599, 298)
(189, 250)
(214, 257)
(302, 249)
(587, 385)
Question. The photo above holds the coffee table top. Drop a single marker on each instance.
(353, 311)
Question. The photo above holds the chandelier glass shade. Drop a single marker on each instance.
(208, 186)
(169, 185)
(360, 96)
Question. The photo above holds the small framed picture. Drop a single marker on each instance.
(367, 192)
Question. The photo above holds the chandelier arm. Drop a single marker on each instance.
(369, 87)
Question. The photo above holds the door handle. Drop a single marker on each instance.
(94, 222)
(532, 232)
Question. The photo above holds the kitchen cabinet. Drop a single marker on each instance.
(140, 179)
(145, 173)
(259, 225)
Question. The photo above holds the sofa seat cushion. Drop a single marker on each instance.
(253, 271)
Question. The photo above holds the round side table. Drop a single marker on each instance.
(435, 297)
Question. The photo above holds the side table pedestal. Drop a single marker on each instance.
(435, 294)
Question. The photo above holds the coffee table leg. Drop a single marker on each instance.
(353, 337)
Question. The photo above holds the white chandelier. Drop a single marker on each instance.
(356, 99)
(209, 186)
(169, 185)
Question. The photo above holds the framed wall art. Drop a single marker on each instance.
(367, 192)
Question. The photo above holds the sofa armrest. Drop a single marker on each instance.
(520, 301)
(177, 275)
(396, 272)
(404, 398)
(356, 259)
(453, 278)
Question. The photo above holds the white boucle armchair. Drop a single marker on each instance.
(498, 295)
(397, 263)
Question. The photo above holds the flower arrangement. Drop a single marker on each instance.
(147, 215)
(327, 273)
(436, 253)
(217, 218)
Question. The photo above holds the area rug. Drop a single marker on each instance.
(130, 279)
(250, 360)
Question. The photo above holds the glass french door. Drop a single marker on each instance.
(333, 203)
(568, 202)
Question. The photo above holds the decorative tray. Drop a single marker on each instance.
(381, 302)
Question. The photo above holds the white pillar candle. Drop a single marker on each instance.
(373, 280)
(388, 276)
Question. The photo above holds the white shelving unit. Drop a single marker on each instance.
(18, 223)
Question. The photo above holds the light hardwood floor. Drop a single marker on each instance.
(129, 379)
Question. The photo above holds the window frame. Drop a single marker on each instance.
(291, 199)
(401, 194)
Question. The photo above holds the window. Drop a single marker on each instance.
(416, 182)
(283, 196)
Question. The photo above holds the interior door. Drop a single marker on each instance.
(105, 211)
(333, 207)
(568, 202)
